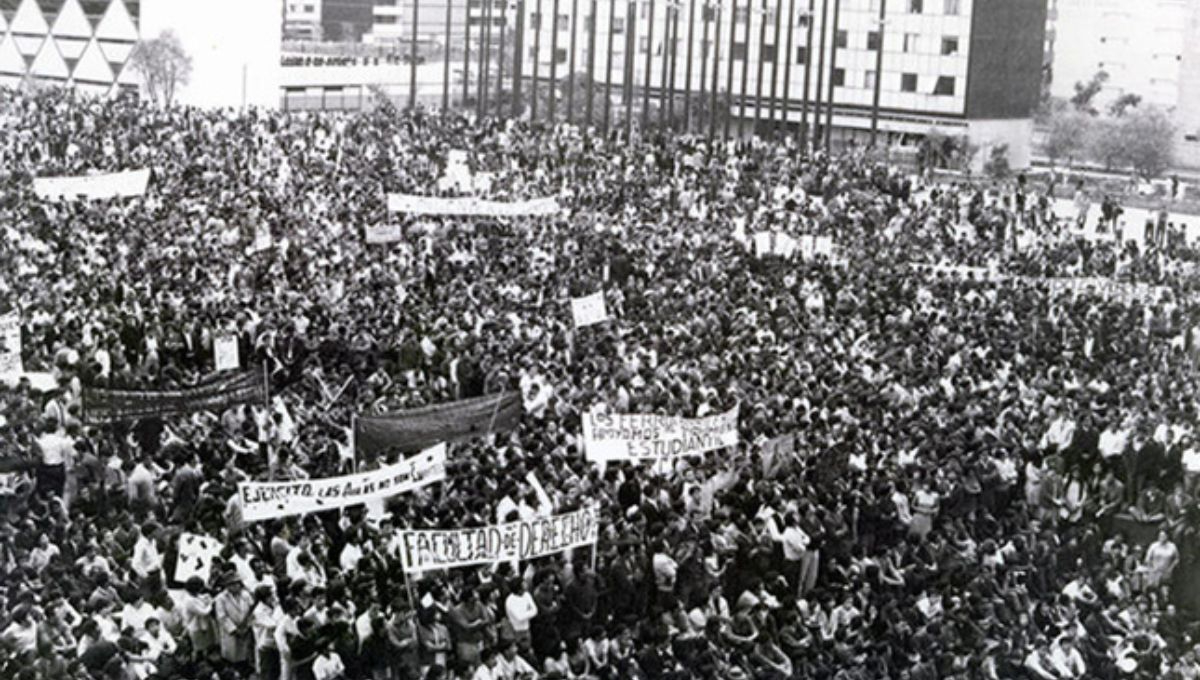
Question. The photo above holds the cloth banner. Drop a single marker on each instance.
(225, 353)
(10, 344)
(215, 394)
(384, 233)
(423, 550)
(589, 310)
(419, 428)
(775, 452)
(106, 185)
(471, 207)
(269, 500)
(196, 555)
(645, 437)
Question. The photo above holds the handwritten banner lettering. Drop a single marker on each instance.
(650, 437)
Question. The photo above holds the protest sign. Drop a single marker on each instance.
(196, 555)
(775, 452)
(10, 344)
(651, 437)
(384, 233)
(471, 207)
(215, 394)
(589, 310)
(423, 550)
(269, 500)
(262, 240)
(225, 353)
(39, 381)
(415, 429)
(104, 185)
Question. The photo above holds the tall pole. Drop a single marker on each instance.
(837, 8)
(446, 61)
(787, 64)
(687, 76)
(666, 63)
(553, 61)
(467, 55)
(878, 74)
(687, 102)
(485, 57)
(649, 65)
(716, 73)
(674, 62)
(518, 58)
(591, 65)
(537, 57)
(412, 57)
(745, 64)
(758, 86)
(816, 138)
(630, 55)
(729, 75)
(571, 62)
(500, 60)
(608, 64)
(808, 57)
(775, 68)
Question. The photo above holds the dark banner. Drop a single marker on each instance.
(420, 428)
(216, 394)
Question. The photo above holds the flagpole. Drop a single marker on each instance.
(687, 76)
(775, 68)
(412, 72)
(537, 57)
(571, 63)
(649, 70)
(716, 72)
(758, 85)
(745, 67)
(808, 57)
(729, 75)
(608, 64)
(466, 54)
(674, 64)
(705, 15)
(878, 74)
(553, 62)
(518, 58)
(816, 136)
(446, 62)
(629, 65)
(591, 65)
(837, 10)
(500, 60)
(662, 81)
(485, 49)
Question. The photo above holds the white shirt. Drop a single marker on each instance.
(1112, 442)
(795, 543)
(328, 666)
(146, 559)
(520, 609)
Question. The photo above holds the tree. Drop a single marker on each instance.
(1085, 93)
(997, 166)
(1124, 103)
(1150, 144)
(163, 65)
(1106, 143)
(1066, 136)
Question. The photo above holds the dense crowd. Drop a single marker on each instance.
(993, 476)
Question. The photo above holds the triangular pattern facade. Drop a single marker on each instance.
(71, 22)
(29, 19)
(65, 43)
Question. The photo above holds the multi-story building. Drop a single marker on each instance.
(387, 24)
(302, 19)
(958, 67)
(1148, 48)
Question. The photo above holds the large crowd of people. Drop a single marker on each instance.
(989, 474)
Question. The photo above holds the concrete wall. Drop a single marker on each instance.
(234, 45)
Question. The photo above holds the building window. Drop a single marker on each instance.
(869, 80)
(739, 50)
(802, 22)
(560, 55)
(944, 86)
(910, 42)
(839, 77)
(801, 55)
(767, 53)
(386, 19)
(873, 40)
(564, 22)
(908, 82)
(952, 7)
(916, 6)
(308, 9)
(708, 13)
(618, 26)
(949, 46)
(841, 39)
(741, 15)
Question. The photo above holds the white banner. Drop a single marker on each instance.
(470, 206)
(107, 185)
(262, 240)
(384, 233)
(196, 555)
(10, 344)
(423, 550)
(225, 351)
(589, 310)
(651, 437)
(268, 500)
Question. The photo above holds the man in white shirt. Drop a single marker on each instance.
(328, 665)
(1058, 437)
(520, 608)
(146, 558)
(1066, 660)
(512, 666)
(1113, 440)
(795, 544)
